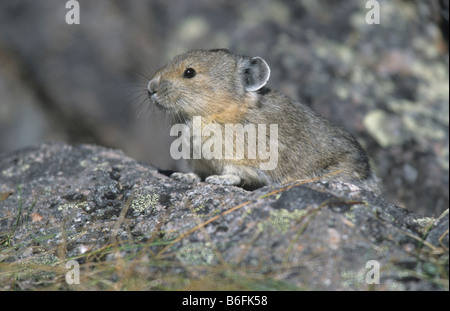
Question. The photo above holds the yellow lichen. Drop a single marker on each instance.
(142, 202)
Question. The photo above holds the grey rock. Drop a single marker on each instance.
(126, 223)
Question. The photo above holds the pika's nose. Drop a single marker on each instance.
(152, 86)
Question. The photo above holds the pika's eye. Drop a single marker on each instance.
(189, 73)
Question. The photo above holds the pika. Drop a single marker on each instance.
(215, 87)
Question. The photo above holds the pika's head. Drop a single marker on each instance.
(205, 82)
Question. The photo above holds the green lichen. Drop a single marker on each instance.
(281, 220)
(350, 216)
(15, 170)
(142, 202)
(68, 206)
(92, 163)
(199, 208)
(196, 254)
(384, 128)
(202, 212)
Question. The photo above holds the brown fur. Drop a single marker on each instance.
(308, 145)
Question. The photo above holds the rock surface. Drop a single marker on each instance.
(131, 227)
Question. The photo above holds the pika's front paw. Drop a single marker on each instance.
(228, 180)
(191, 178)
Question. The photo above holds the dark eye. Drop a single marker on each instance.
(189, 73)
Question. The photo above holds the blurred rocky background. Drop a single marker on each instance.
(387, 83)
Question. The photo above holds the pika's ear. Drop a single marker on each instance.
(255, 73)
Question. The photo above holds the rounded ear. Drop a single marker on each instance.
(255, 73)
